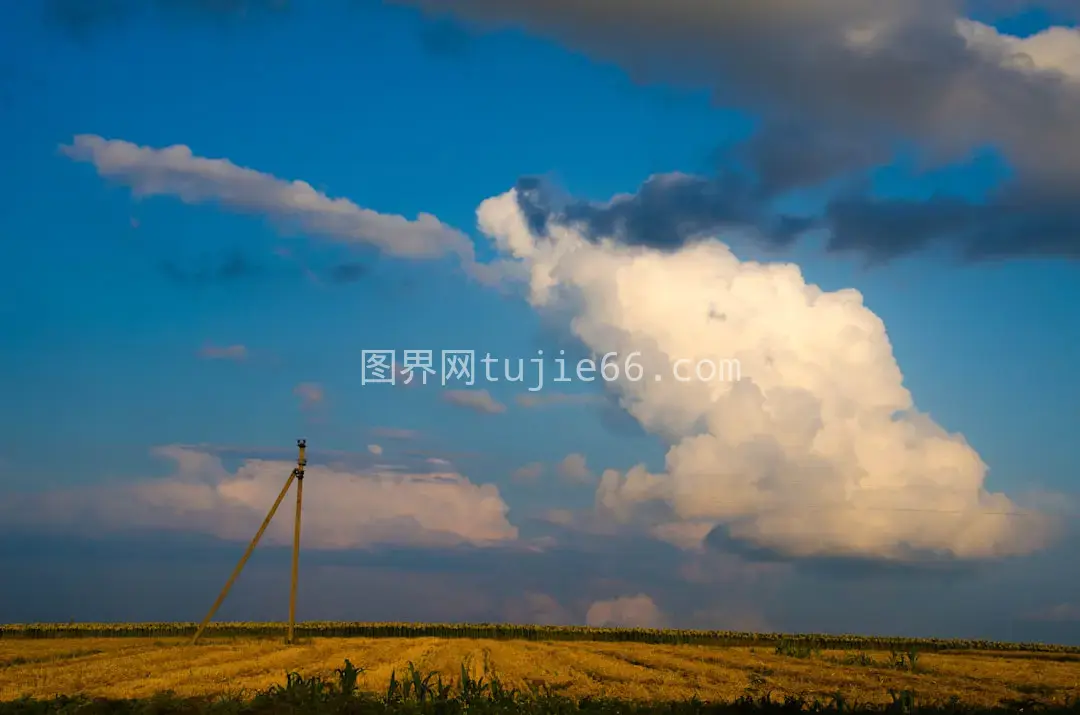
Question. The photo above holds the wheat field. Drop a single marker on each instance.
(141, 667)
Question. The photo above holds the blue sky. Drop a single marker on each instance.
(117, 309)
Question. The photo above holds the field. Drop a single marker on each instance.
(240, 660)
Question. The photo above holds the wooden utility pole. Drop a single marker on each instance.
(298, 476)
(301, 462)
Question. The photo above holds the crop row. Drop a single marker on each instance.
(327, 629)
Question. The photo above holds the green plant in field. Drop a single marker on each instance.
(472, 689)
(903, 701)
(905, 660)
(420, 685)
(790, 703)
(797, 648)
(861, 659)
(393, 690)
(347, 678)
(300, 691)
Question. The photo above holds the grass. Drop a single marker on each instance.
(233, 670)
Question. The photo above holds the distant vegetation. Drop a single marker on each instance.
(788, 643)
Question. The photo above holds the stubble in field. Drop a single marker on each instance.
(134, 668)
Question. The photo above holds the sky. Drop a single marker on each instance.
(870, 212)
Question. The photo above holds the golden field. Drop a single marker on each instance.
(140, 667)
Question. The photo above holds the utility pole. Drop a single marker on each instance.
(297, 475)
(301, 462)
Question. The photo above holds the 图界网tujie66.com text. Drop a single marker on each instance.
(461, 367)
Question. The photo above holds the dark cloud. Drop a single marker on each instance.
(666, 212)
(789, 154)
(236, 267)
(175, 576)
(231, 268)
(1011, 223)
(187, 571)
(917, 564)
(348, 272)
(831, 109)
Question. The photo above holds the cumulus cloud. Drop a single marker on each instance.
(478, 400)
(223, 352)
(1053, 50)
(342, 508)
(626, 612)
(817, 451)
(854, 81)
(537, 609)
(176, 171)
(573, 469)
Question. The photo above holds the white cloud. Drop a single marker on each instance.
(528, 473)
(342, 508)
(223, 352)
(818, 450)
(479, 400)
(573, 468)
(395, 433)
(537, 609)
(310, 394)
(626, 611)
(1055, 49)
(562, 517)
(176, 171)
